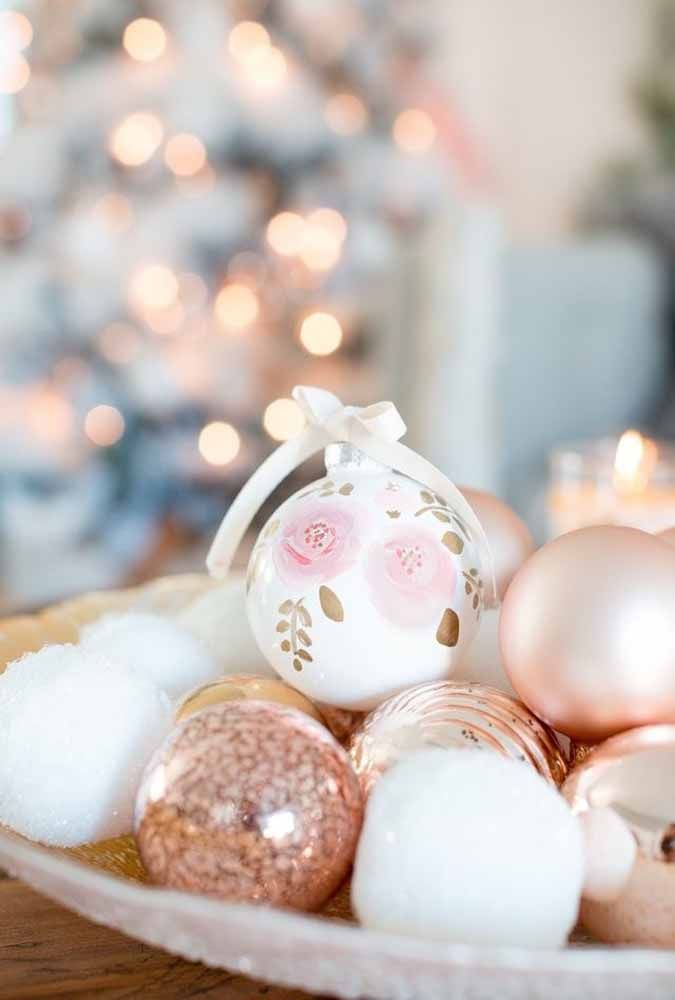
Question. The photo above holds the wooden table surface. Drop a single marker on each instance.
(46, 951)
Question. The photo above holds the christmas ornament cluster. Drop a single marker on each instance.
(376, 708)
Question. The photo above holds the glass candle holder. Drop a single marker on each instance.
(627, 480)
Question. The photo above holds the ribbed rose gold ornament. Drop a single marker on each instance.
(452, 714)
(633, 774)
(253, 802)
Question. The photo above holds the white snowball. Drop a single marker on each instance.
(220, 620)
(470, 847)
(158, 648)
(76, 731)
(482, 660)
(611, 850)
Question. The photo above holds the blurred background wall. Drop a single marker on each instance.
(467, 206)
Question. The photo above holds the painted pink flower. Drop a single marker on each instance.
(320, 539)
(411, 575)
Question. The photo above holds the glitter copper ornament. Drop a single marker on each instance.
(247, 687)
(250, 801)
(632, 774)
(587, 632)
(452, 714)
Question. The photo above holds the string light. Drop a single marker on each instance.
(346, 114)
(153, 286)
(283, 419)
(236, 306)
(414, 131)
(136, 138)
(16, 31)
(284, 233)
(104, 425)
(14, 74)
(144, 39)
(185, 154)
(119, 343)
(219, 443)
(320, 333)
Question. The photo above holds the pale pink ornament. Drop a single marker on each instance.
(453, 715)
(587, 632)
(363, 584)
(667, 536)
(508, 536)
(250, 801)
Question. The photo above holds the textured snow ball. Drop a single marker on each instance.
(155, 647)
(469, 847)
(76, 731)
(220, 620)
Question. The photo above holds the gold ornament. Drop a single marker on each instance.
(245, 687)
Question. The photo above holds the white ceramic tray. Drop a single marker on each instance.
(321, 954)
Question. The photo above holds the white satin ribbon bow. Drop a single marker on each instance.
(376, 430)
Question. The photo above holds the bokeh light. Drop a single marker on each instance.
(119, 343)
(136, 138)
(283, 419)
(322, 239)
(153, 286)
(185, 154)
(236, 306)
(285, 232)
(414, 131)
(104, 425)
(219, 443)
(49, 415)
(16, 31)
(115, 210)
(144, 39)
(320, 333)
(346, 114)
(14, 74)
(246, 38)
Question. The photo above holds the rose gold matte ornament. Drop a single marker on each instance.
(252, 802)
(587, 632)
(634, 775)
(448, 714)
(508, 536)
(245, 687)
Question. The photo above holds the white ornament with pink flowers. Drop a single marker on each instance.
(363, 584)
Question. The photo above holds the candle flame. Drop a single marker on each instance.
(634, 461)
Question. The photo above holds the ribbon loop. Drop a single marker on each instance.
(375, 429)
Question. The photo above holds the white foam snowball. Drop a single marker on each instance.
(76, 731)
(470, 847)
(219, 618)
(156, 647)
(611, 850)
(482, 660)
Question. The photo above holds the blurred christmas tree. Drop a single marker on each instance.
(638, 192)
(200, 206)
